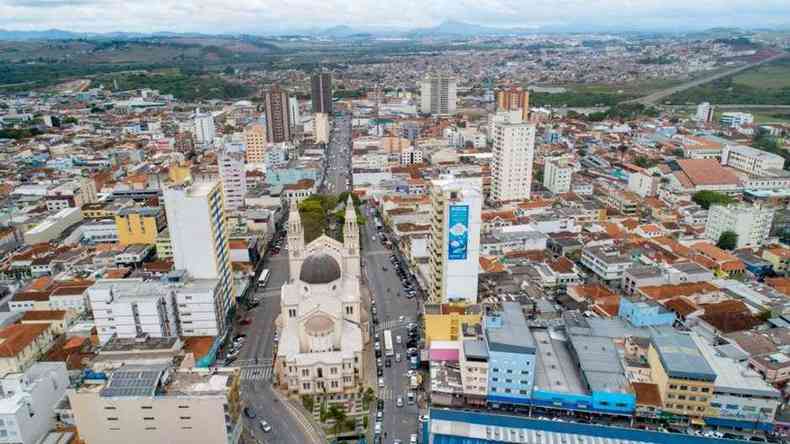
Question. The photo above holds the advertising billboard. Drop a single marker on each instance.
(458, 233)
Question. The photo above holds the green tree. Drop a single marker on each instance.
(728, 240)
(338, 414)
(707, 198)
(645, 162)
(678, 152)
(229, 71)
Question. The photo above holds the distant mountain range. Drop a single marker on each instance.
(448, 28)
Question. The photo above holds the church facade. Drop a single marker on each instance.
(323, 321)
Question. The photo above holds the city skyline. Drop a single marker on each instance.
(264, 17)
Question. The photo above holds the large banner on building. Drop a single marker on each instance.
(458, 233)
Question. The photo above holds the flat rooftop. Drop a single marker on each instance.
(555, 370)
(681, 358)
(508, 331)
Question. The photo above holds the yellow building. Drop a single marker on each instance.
(255, 140)
(779, 257)
(139, 225)
(447, 327)
(684, 378)
(179, 173)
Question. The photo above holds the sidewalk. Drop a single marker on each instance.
(302, 417)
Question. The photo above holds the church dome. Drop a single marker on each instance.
(319, 269)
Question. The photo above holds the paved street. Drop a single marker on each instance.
(338, 154)
(395, 311)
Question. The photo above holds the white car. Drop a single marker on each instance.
(381, 382)
(413, 438)
(266, 427)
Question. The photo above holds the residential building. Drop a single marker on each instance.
(139, 225)
(410, 156)
(735, 119)
(278, 116)
(154, 404)
(607, 262)
(514, 98)
(511, 169)
(53, 226)
(438, 95)
(234, 178)
(752, 223)
(21, 345)
(446, 325)
(321, 93)
(323, 325)
(643, 184)
(28, 400)
(705, 113)
(473, 362)
(255, 143)
(454, 247)
(557, 174)
(204, 129)
(684, 378)
(164, 248)
(71, 194)
(199, 236)
(643, 312)
(511, 356)
(779, 257)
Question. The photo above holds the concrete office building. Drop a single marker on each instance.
(752, 161)
(511, 356)
(511, 169)
(278, 116)
(514, 98)
(454, 247)
(321, 93)
(199, 237)
(752, 223)
(438, 95)
(557, 174)
(159, 404)
(473, 362)
(295, 115)
(234, 178)
(255, 143)
(204, 129)
(27, 402)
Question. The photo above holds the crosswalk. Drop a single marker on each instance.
(386, 393)
(393, 323)
(257, 373)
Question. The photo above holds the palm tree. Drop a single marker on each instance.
(338, 414)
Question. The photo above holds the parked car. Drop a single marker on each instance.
(265, 427)
(249, 412)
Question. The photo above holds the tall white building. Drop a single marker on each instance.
(454, 247)
(704, 113)
(511, 171)
(199, 235)
(752, 223)
(294, 113)
(438, 95)
(204, 129)
(234, 178)
(752, 161)
(557, 174)
(28, 400)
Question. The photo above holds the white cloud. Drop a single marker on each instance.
(260, 16)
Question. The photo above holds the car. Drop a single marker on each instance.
(423, 418)
(249, 412)
(398, 340)
(377, 428)
(276, 338)
(229, 360)
(399, 401)
(381, 382)
(413, 438)
(379, 372)
(411, 397)
(397, 357)
(402, 319)
(397, 441)
(265, 427)
(378, 362)
(384, 268)
(388, 363)
(246, 321)
(377, 345)
(379, 415)
(380, 404)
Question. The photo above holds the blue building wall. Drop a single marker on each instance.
(614, 402)
(515, 422)
(641, 314)
(510, 376)
(558, 400)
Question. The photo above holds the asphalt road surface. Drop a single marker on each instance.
(338, 157)
(394, 311)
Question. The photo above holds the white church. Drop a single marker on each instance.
(323, 323)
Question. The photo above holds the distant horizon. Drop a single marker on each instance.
(267, 17)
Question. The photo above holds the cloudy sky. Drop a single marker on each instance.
(266, 16)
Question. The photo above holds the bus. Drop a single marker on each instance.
(263, 279)
(388, 350)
